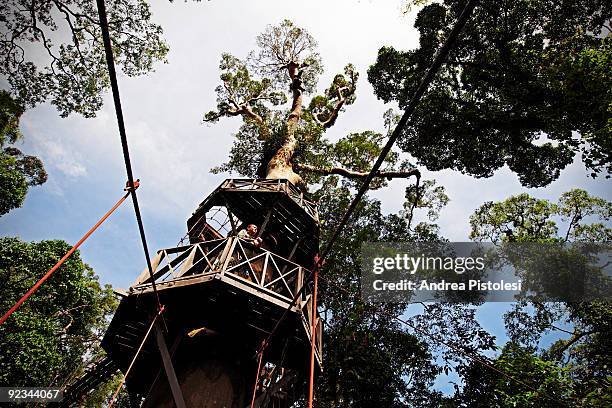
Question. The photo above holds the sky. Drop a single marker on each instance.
(172, 150)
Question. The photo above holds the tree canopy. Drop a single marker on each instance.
(526, 85)
(371, 357)
(45, 341)
(576, 367)
(52, 51)
(280, 140)
(524, 218)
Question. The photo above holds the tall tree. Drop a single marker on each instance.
(525, 218)
(45, 341)
(52, 50)
(370, 358)
(527, 85)
(539, 383)
(287, 142)
(17, 171)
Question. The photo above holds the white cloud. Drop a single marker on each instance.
(54, 148)
(68, 161)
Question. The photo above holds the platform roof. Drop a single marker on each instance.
(292, 214)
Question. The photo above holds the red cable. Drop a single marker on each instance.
(313, 335)
(258, 371)
(61, 261)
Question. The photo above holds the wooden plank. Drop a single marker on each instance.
(144, 275)
(299, 281)
(264, 272)
(188, 263)
(292, 253)
(169, 368)
(189, 280)
(250, 287)
(175, 250)
(175, 344)
(282, 277)
(248, 260)
(231, 218)
(168, 267)
(130, 336)
(208, 257)
(230, 248)
(266, 220)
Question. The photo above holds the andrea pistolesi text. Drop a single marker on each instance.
(472, 284)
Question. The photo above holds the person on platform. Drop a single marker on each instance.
(250, 234)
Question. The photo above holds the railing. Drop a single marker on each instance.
(236, 260)
(231, 257)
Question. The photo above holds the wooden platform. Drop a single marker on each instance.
(235, 291)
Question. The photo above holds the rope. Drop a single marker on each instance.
(124, 144)
(313, 336)
(479, 359)
(60, 262)
(159, 312)
(257, 375)
(415, 203)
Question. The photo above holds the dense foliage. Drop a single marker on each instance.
(282, 136)
(527, 85)
(45, 342)
(574, 370)
(51, 51)
(373, 354)
(17, 171)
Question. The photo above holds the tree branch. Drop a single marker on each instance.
(316, 119)
(73, 30)
(560, 329)
(329, 170)
(248, 112)
(414, 204)
(75, 14)
(576, 217)
(334, 113)
(571, 341)
(342, 93)
(245, 110)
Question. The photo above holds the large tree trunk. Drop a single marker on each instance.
(280, 166)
